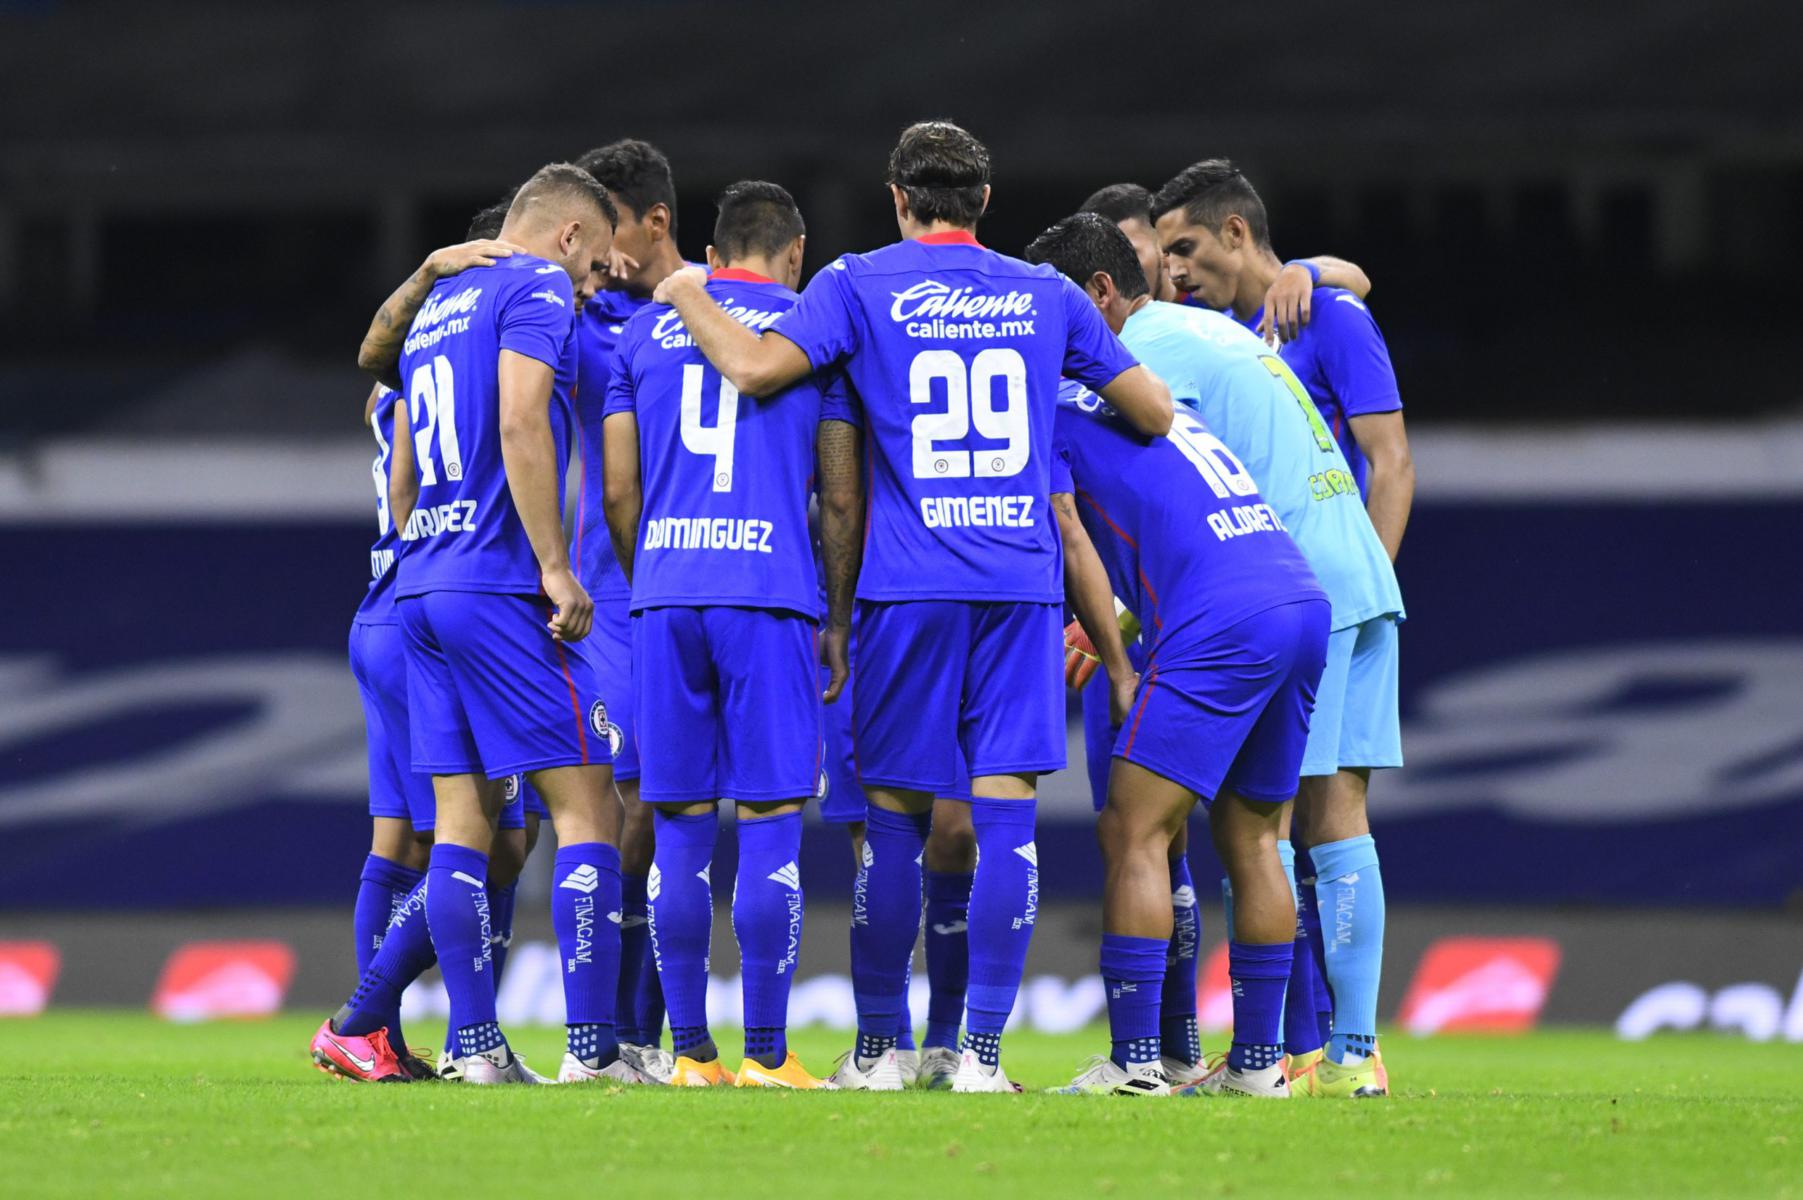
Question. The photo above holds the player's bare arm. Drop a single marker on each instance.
(623, 493)
(1390, 493)
(380, 354)
(1290, 298)
(403, 475)
(1086, 589)
(369, 403)
(755, 365)
(841, 542)
(529, 455)
(1142, 399)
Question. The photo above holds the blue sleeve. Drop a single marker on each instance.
(822, 323)
(1353, 357)
(1093, 356)
(839, 402)
(536, 318)
(620, 396)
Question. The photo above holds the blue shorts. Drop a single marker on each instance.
(1357, 723)
(379, 661)
(608, 651)
(949, 689)
(491, 692)
(1099, 732)
(728, 704)
(841, 796)
(1232, 711)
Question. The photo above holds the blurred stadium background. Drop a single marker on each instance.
(1584, 224)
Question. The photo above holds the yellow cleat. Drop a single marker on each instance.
(689, 1073)
(790, 1075)
(1295, 1066)
(1328, 1080)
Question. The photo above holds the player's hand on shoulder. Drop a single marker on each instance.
(573, 611)
(676, 281)
(483, 252)
(1288, 303)
(1080, 657)
(835, 655)
(1120, 697)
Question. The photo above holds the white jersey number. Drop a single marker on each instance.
(378, 471)
(1225, 475)
(432, 399)
(970, 395)
(714, 440)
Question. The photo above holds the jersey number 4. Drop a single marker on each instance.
(970, 399)
(716, 440)
(432, 399)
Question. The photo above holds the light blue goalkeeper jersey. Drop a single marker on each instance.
(1253, 402)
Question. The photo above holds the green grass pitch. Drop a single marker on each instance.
(116, 1104)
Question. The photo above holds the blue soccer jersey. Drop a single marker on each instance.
(955, 352)
(1341, 359)
(464, 534)
(1189, 544)
(726, 477)
(1249, 398)
(377, 606)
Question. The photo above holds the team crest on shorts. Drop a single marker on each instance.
(597, 721)
(821, 788)
(510, 788)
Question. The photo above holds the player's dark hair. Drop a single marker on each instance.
(1120, 202)
(1211, 191)
(560, 183)
(637, 173)
(942, 169)
(1082, 245)
(488, 222)
(756, 217)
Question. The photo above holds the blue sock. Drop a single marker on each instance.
(1004, 904)
(1133, 970)
(766, 918)
(585, 909)
(649, 1003)
(904, 1029)
(885, 921)
(681, 895)
(1308, 917)
(1259, 974)
(1177, 1003)
(1301, 1019)
(457, 912)
(382, 891)
(1349, 893)
(948, 955)
(405, 954)
(1286, 858)
(635, 946)
(500, 926)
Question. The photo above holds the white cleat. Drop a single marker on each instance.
(1265, 1083)
(574, 1070)
(483, 1069)
(450, 1068)
(1182, 1074)
(909, 1063)
(938, 1066)
(1105, 1077)
(654, 1062)
(973, 1076)
(881, 1074)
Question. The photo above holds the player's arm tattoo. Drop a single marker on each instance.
(623, 494)
(841, 516)
(380, 354)
(1086, 588)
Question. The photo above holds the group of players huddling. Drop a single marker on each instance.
(823, 545)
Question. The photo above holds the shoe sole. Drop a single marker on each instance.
(325, 1064)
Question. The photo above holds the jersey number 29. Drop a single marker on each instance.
(970, 399)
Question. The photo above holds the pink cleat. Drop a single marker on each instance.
(367, 1059)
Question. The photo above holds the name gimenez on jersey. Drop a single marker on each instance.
(450, 310)
(747, 534)
(930, 309)
(671, 334)
(456, 516)
(961, 512)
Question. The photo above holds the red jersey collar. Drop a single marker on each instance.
(951, 237)
(737, 275)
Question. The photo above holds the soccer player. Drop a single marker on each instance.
(707, 499)
(637, 176)
(955, 351)
(488, 602)
(1207, 218)
(1237, 626)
